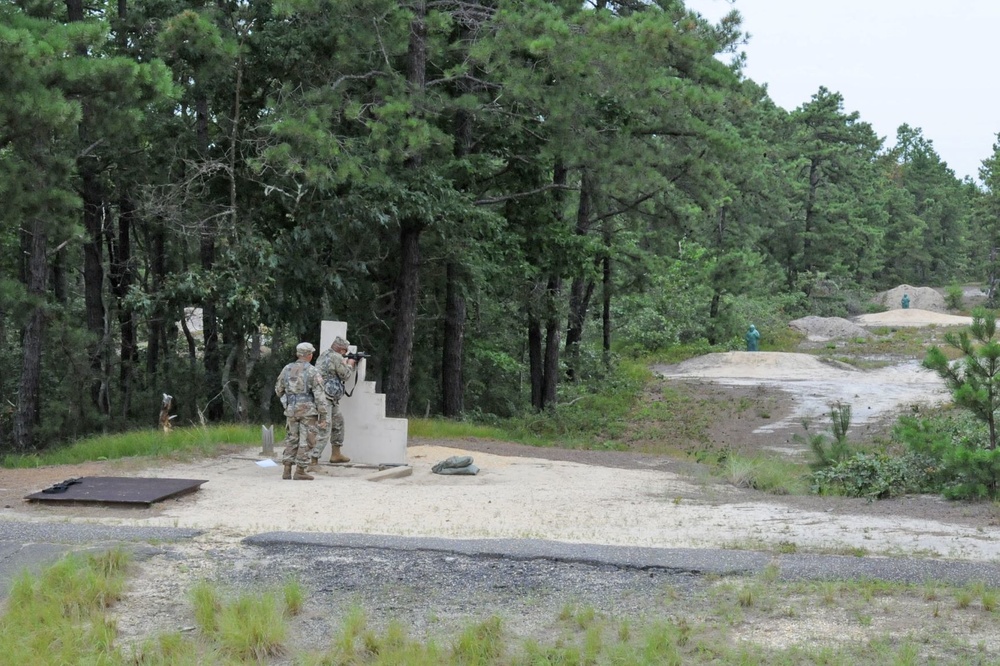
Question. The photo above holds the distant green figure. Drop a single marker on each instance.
(906, 302)
(752, 337)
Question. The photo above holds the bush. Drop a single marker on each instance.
(953, 297)
(875, 475)
(957, 446)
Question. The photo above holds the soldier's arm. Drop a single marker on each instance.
(343, 370)
(319, 395)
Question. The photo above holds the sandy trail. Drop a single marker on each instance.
(815, 385)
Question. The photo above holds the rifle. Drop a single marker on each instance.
(358, 357)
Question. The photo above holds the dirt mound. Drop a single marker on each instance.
(912, 317)
(820, 329)
(922, 298)
(763, 365)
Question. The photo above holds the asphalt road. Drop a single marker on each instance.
(32, 545)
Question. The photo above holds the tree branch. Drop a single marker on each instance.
(521, 195)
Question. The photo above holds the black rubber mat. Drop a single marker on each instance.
(116, 490)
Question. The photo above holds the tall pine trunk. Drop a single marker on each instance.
(120, 276)
(606, 292)
(407, 296)
(157, 275)
(536, 370)
(34, 272)
(452, 402)
(209, 313)
(453, 345)
(553, 333)
(407, 284)
(93, 284)
(582, 288)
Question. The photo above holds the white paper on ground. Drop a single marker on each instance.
(267, 462)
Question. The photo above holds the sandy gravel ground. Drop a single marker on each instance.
(534, 497)
(519, 497)
(911, 317)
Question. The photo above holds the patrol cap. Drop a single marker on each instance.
(340, 342)
(304, 348)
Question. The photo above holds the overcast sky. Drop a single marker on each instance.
(928, 63)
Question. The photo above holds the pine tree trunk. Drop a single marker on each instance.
(407, 285)
(453, 345)
(814, 172)
(35, 271)
(120, 275)
(581, 289)
(209, 315)
(606, 302)
(553, 333)
(454, 336)
(535, 368)
(158, 275)
(407, 293)
(93, 282)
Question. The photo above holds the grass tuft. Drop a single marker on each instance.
(179, 441)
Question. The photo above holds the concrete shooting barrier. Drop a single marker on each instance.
(370, 437)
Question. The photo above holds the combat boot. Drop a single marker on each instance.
(337, 457)
(300, 474)
(313, 465)
(287, 474)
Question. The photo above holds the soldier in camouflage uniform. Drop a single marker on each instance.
(332, 363)
(300, 389)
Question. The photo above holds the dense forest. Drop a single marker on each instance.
(496, 195)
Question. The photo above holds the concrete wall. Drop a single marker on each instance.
(369, 435)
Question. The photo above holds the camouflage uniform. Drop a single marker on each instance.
(301, 386)
(331, 363)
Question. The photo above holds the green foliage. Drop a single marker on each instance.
(974, 381)
(591, 415)
(675, 307)
(261, 160)
(829, 451)
(962, 466)
(875, 475)
(954, 296)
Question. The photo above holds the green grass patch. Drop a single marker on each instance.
(59, 617)
(766, 473)
(185, 441)
(64, 615)
(782, 339)
(441, 428)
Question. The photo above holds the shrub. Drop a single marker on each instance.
(829, 451)
(875, 475)
(957, 446)
(953, 297)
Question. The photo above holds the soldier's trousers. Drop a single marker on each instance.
(300, 439)
(333, 433)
